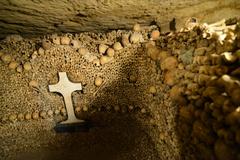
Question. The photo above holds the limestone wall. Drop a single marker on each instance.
(31, 17)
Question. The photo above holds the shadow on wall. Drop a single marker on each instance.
(119, 136)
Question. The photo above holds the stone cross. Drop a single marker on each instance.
(65, 88)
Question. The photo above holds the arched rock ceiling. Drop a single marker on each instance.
(34, 17)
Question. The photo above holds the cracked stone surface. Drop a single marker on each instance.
(36, 17)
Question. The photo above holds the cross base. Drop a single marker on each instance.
(72, 127)
(68, 121)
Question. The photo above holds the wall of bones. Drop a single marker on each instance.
(153, 88)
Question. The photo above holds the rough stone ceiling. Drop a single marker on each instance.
(37, 17)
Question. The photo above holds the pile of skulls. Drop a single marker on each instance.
(209, 94)
(201, 67)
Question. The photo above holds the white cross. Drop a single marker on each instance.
(65, 88)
